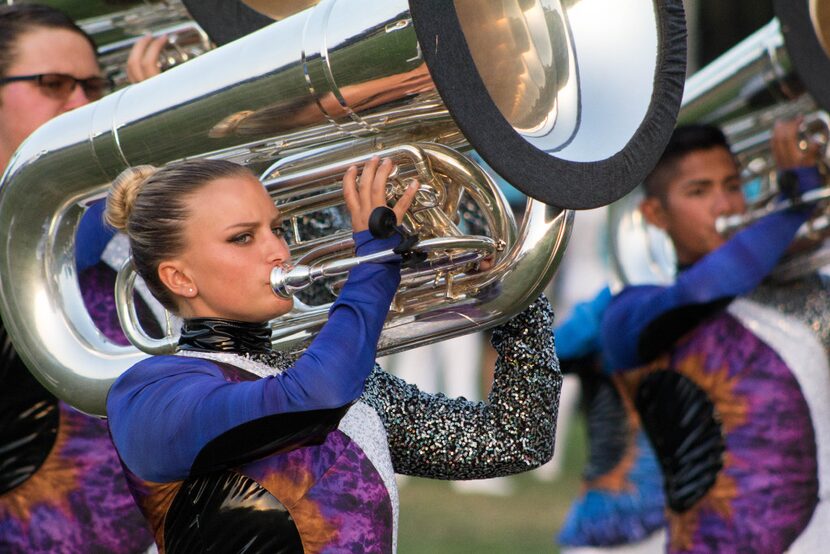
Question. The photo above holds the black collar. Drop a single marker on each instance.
(208, 334)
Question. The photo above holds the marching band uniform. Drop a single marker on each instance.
(733, 393)
(622, 502)
(230, 444)
(61, 484)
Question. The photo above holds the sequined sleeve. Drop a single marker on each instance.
(431, 435)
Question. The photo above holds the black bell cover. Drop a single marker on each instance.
(809, 58)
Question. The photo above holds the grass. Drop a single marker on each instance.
(437, 520)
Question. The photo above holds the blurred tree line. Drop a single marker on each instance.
(717, 25)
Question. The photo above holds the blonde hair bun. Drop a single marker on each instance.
(123, 192)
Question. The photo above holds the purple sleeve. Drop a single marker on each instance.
(166, 409)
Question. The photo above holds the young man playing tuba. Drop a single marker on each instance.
(728, 369)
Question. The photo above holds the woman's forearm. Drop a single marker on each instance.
(439, 437)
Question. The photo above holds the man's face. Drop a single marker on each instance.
(24, 106)
(706, 185)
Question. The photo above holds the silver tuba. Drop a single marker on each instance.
(571, 101)
(782, 70)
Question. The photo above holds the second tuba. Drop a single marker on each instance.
(570, 101)
(780, 71)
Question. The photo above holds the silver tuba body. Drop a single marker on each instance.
(569, 101)
(780, 71)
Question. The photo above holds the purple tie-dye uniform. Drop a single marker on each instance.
(338, 494)
(767, 490)
(331, 492)
(76, 500)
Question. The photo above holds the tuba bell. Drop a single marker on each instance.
(780, 71)
(569, 101)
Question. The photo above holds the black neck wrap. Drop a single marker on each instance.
(207, 334)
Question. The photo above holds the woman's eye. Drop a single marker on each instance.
(278, 231)
(244, 238)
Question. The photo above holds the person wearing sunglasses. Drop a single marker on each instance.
(48, 66)
(61, 485)
(60, 86)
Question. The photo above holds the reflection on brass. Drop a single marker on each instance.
(280, 9)
(229, 124)
(520, 49)
(291, 114)
(820, 14)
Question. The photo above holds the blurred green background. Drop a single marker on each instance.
(436, 519)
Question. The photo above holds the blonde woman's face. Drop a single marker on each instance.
(233, 241)
(24, 106)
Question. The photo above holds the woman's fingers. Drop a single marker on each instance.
(350, 196)
(368, 192)
(151, 61)
(367, 177)
(379, 183)
(405, 200)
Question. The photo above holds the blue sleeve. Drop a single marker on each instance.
(166, 409)
(579, 335)
(92, 236)
(736, 268)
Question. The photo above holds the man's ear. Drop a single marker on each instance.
(174, 277)
(655, 212)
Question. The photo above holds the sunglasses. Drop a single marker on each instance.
(59, 86)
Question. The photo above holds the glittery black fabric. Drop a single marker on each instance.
(445, 438)
(805, 299)
(430, 435)
(203, 334)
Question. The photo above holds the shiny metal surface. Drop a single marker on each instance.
(744, 92)
(289, 280)
(548, 66)
(446, 280)
(639, 253)
(742, 79)
(185, 41)
(344, 81)
(820, 14)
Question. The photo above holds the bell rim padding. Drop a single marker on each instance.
(806, 53)
(555, 181)
(225, 20)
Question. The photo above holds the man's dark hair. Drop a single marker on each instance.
(18, 19)
(684, 140)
